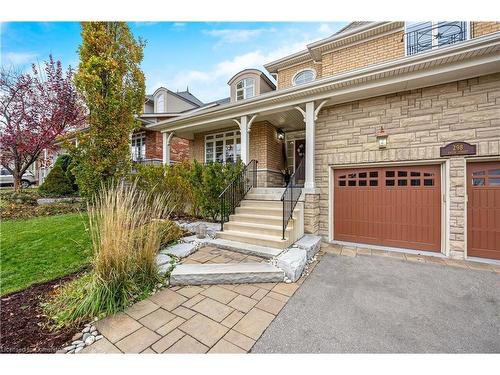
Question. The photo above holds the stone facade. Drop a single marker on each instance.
(311, 213)
(418, 122)
(374, 51)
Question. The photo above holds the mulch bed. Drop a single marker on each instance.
(24, 328)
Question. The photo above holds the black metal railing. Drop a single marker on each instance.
(291, 194)
(429, 37)
(234, 193)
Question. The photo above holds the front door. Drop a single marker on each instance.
(300, 153)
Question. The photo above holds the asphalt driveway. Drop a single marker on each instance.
(380, 305)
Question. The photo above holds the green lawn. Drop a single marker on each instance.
(41, 249)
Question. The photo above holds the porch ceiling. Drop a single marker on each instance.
(289, 119)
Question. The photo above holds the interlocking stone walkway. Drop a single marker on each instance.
(353, 251)
(197, 319)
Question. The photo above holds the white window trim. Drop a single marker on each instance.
(468, 35)
(243, 89)
(224, 138)
(303, 70)
(135, 136)
(157, 110)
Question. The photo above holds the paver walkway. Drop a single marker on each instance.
(196, 319)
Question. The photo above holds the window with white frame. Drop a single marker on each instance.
(223, 147)
(423, 36)
(245, 89)
(304, 76)
(160, 103)
(138, 146)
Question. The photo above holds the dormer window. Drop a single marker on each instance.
(304, 76)
(245, 89)
(160, 103)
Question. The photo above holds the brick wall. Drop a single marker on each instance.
(154, 145)
(286, 75)
(418, 122)
(483, 28)
(373, 51)
(180, 149)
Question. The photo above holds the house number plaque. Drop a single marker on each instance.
(458, 148)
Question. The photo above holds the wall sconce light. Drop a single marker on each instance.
(382, 138)
(280, 134)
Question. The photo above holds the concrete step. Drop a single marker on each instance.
(245, 248)
(251, 238)
(256, 228)
(232, 273)
(267, 190)
(252, 218)
(263, 197)
(261, 203)
(267, 211)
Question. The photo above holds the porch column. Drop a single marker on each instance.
(245, 125)
(309, 118)
(166, 147)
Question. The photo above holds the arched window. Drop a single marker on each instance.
(304, 76)
(245, 89)
(160, 104)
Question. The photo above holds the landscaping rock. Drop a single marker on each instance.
(292, 263)
(77, 336)
(162, 259)
(90, 340)
(165, 268)
(68, 348)
(77, 342)
(86, 336)
(78, 349)
(311, 244)
(86, 329)
(98, 337)
(181, 250)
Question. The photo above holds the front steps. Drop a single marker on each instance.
(232, 273)
(259, 220)
(244, 248)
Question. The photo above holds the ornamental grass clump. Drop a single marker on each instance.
(126, 226)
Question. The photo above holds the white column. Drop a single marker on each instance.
(166, 147)
(245, 139)
(309, 118)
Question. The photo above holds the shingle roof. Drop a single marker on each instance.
(190, 97)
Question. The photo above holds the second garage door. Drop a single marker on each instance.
(396, 207)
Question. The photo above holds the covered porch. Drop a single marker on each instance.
(280, 140)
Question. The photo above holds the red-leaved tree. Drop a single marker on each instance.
(35, 110)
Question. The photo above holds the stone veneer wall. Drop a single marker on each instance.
(418, 122)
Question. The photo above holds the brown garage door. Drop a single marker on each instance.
(398, 207)
(483, 210)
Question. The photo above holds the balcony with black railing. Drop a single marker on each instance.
(430, 35)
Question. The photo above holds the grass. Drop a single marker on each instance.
(42, 249)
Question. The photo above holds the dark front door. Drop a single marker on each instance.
(300, 153)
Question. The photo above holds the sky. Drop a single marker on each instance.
(200, 55)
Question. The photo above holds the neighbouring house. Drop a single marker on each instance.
(146, 145)
(391, 129)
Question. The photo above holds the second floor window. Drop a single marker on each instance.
(424, 36)
(304, 76)
(160, 104)
(245, 89)
(138, 146)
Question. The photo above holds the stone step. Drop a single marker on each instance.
(232, 273)
(245, 248)
(256, 228)
(251, 238)
(253, 210)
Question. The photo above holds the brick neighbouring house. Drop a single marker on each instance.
(417, 86)
(146, 145)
